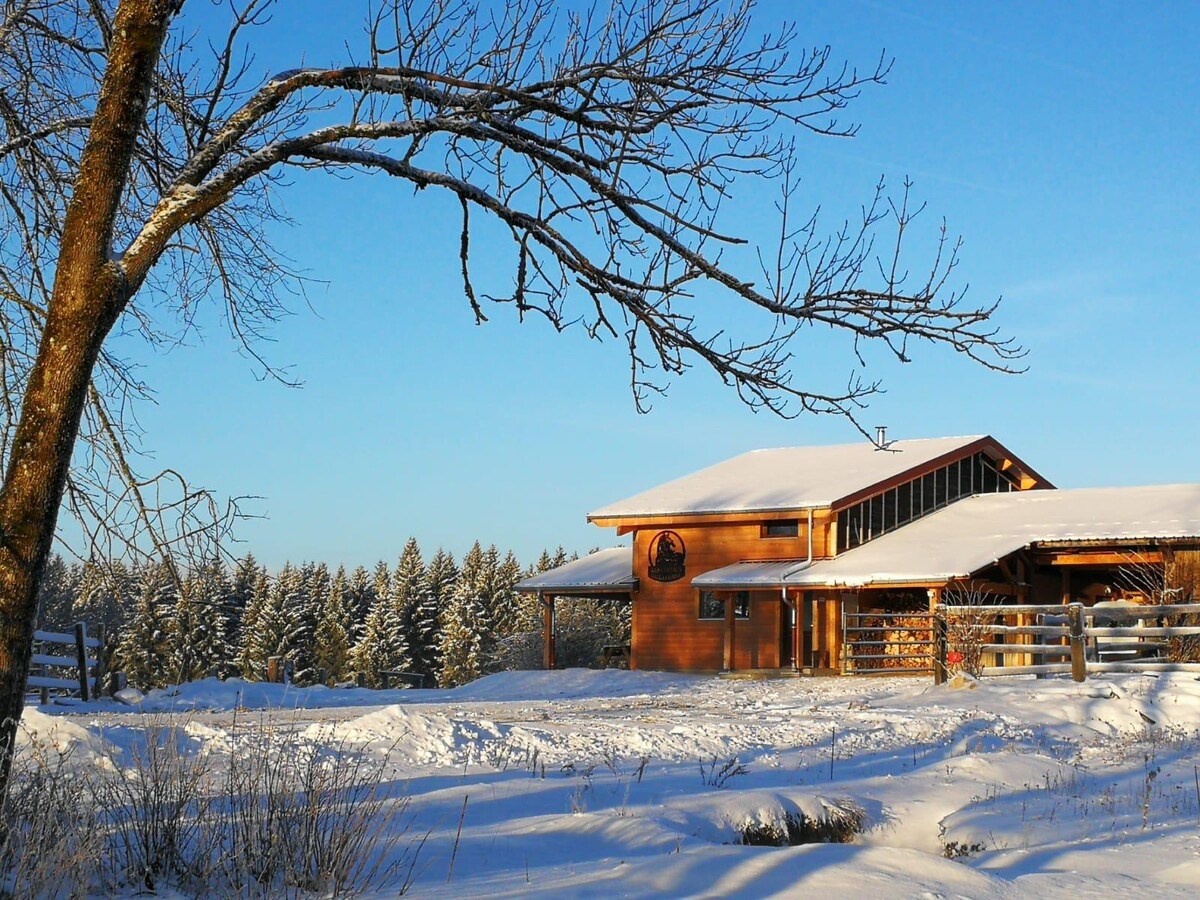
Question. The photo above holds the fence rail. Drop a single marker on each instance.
(73, 669)
(1072, 631)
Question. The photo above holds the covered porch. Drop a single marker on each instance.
(810, 620)
(603, 575)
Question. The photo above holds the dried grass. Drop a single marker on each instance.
(279, 815)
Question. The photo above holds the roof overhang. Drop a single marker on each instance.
(600, 573)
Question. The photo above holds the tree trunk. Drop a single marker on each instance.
(89, 293)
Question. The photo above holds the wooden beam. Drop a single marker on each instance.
(798, 633)
(1098, 558)
(549, 651)
(1007, 571)
(668, 520)
(730, 619)
(1066, 586)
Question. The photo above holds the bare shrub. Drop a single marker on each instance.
(718, 773)
(1174, 581)
(282, 815)
(968, 629)
(313, 817)
(155, 810)
(49, 847)
(839, 824)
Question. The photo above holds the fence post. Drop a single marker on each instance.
(939, 645)
(1075, 627)
(101, 659)
(81, 655)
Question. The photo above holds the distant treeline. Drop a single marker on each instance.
(448, 621)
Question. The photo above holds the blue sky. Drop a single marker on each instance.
(1058, 139)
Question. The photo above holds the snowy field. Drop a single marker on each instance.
(589, 783)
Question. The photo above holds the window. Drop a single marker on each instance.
(926, 493)
(782, 528)
(713, 606)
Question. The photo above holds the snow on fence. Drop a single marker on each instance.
(67, 662)
(1082, 635)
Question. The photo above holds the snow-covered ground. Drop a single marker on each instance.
(587, 783)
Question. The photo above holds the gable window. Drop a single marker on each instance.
(926, 493)
(712, 606)
(782, 528)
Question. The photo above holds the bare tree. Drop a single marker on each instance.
(138, 167)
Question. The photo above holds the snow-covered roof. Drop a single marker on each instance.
(789, 478)
(605, 571)
(972, 534)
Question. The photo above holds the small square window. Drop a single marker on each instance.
(782, 528)
(713, 606)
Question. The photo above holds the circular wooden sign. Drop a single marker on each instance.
(667, 556)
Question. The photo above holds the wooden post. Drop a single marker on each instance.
(1075, 622)
(798, 632)
(1066, 585)
(549, 650)
(101, 659)
(81, 656)
(274, 669)
(940, 633)
(729, 626)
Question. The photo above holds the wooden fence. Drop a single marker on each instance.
(67, 662)
(1082, 640)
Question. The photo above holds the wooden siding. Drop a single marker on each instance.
(667, 630)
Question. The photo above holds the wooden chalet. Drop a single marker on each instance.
(783, 559)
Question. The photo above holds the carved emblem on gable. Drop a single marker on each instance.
(667, 555)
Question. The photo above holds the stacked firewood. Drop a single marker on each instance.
(893, 644)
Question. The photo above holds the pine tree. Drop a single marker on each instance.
(504, 600)
(143, 653)
(56, 595)
(301, 613)
(270, 625)
(104, 596)
(409, 587)
(332, 637)
(381, 648)
(241, 591)
(440, 577)
(253, 618)
(466, 625)
(360, 599)
(199, 644)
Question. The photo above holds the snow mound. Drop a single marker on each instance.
(41, 734)
(420, 737)
(212, 694)
(726, 817)
(566, 684)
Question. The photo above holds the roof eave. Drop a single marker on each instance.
(613, 519)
